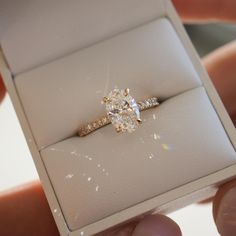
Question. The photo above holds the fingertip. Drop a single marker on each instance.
(219, 196)
(202, 10)
(224, 209)
(154, 225)
(220, 65)
(2, 89)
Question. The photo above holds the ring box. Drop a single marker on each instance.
(59, 59)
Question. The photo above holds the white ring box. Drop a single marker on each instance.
(57, 67)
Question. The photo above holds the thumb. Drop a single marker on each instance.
(157, 225)
(224, 209)
(151, 225)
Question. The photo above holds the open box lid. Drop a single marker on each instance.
(41, 31)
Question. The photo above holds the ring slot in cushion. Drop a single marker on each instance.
(103, 173)
(62, 95)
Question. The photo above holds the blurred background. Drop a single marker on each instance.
(207, 37)
(16, 165)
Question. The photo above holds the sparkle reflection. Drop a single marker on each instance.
(97, 188)
(89, 179)
(166, 147)
(56, 149)
(69, 176)
(74, 153)
(151, 156)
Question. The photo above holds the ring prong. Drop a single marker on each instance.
(105, 99)
(118, 129)
(127, 90)
(139, 121)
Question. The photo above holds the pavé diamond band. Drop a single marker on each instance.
(122, 111)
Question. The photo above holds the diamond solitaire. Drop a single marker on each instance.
(122, 111)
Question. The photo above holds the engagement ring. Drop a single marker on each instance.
(122, 111)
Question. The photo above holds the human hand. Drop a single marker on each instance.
(25, 208)
(222, 70)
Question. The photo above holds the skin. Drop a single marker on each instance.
(25, 208)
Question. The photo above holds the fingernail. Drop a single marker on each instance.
(226, 216)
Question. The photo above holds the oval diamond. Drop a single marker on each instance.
(123, 110)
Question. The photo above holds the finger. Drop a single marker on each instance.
(151, 225)
(224, 209)
(26, 208)
(157, 225)
(2, 89)
(207, 201)
(222, 70)
(196, 10)
(123, 230)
